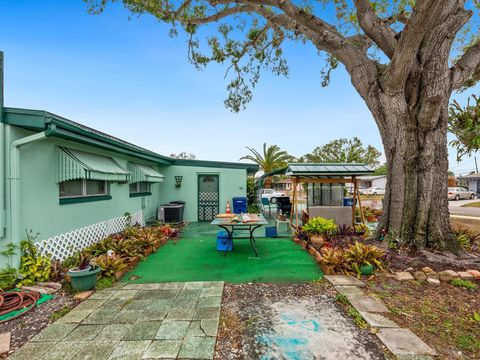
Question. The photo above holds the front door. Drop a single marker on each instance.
(208, 197)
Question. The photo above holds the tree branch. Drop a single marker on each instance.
(375, 27)
(467, 67)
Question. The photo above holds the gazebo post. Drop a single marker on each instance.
(294, 205)
(354, 180)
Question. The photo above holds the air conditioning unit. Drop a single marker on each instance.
(170, 213)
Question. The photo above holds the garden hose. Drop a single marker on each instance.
(17, 300)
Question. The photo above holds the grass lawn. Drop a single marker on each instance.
(280, 260)
(473, 204)
(443, 316)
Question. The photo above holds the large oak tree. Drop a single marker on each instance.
(402, 59)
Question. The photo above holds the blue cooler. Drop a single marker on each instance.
(223, 242)
(239, 205)
(271, 232)
(347, 201)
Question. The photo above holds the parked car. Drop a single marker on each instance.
(361, 189)
(375, 191)
(457, 193)
(272, 194)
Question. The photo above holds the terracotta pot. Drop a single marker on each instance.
(119, 274)
(297, 240)
(317, 240)
(163, 241)
(157, 244)
(147, 251)
(134, 261)
(372, 218)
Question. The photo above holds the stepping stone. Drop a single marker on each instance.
(5, 342)
(403, 276)
(84, 295)
(84, 333)
(465, 275)
(377, 320)
(343, 280)
(367, 303)
(163, 349)
(403, 342)
(98, 350)
(64, 350)
(26, 351)
(349, 290)
(420, 275)
(172, 330)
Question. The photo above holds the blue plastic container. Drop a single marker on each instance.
(271, 232)
(223, 242)
(239, 205)
(347, 201)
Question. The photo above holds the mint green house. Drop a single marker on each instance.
(74, 185)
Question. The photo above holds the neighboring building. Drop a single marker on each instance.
(373, 181)
(74, 185)
(283, 185)
(471, 181)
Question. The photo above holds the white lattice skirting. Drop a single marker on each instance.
(62, 246)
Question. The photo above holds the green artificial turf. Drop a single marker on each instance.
(196, 259)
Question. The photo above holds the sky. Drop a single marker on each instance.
(125, 76)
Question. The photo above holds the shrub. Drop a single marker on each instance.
(465, 237)
(34, 267)
(319, 226)
(333, 260)
(463, 283)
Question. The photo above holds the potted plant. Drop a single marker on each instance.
(83, 277)
(369, 215)
(317, 227)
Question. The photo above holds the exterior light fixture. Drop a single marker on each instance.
(178, 181)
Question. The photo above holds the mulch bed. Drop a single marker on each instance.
(238, 318)
(442, 316)
(27, 326)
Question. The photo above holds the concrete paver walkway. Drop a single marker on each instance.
(135, 321)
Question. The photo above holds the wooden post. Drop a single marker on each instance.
(354, 205)
(360, 207)
(294, 200)
(296, 207)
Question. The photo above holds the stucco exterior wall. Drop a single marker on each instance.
(232, 183)
(41, 212)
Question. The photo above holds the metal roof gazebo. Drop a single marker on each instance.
(327, 173)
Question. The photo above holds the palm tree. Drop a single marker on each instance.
(272, 159)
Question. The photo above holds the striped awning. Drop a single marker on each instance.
(328, 169)
(144, 173)
(76, 164)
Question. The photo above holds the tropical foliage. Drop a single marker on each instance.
(34, 267)
(344, 151)
(271, 158)
(464, 123)
(319, 226)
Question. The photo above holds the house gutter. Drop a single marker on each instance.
(2, 155)
(14, 178)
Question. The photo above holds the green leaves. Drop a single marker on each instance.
(319, 225)
(464, 123)
(271, 159)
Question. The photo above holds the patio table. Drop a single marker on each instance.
(229, 226)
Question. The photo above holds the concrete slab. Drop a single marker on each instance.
(178, 313)
(113, 332)
(377, 321)
(172, 330)
(54, 332)
(75, 316)
(64, 350)
(127, 316)
(193, 285)
(154, 315)
(210, 327)
(197, 348)
(208, 313)
(209, 301)
(84, 333)
(129, 350)
(5, 342)
(163, 349)
(349, 290)
(96, 350)
(212, 291)
(339, 280)
(101, 316)
(145, 330)
(26, 351)
(404, 342)
(102, 294)
(367, 303)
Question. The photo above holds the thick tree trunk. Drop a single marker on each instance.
(415, 207)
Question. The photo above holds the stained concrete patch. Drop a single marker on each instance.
(404, 342)
(367, 303)
(145, 330)
(84, 333)
(341, 280)
(304, 328)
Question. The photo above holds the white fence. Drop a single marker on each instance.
(62, 246)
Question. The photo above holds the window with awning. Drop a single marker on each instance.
(144, 173)
(75, 164)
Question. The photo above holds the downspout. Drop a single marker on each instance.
(2, 155)
(14, 178)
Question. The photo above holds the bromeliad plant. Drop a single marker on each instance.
(110, 265)
(359, 254)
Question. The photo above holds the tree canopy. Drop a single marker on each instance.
(371, 38)
(344, 151)
(464, 123)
